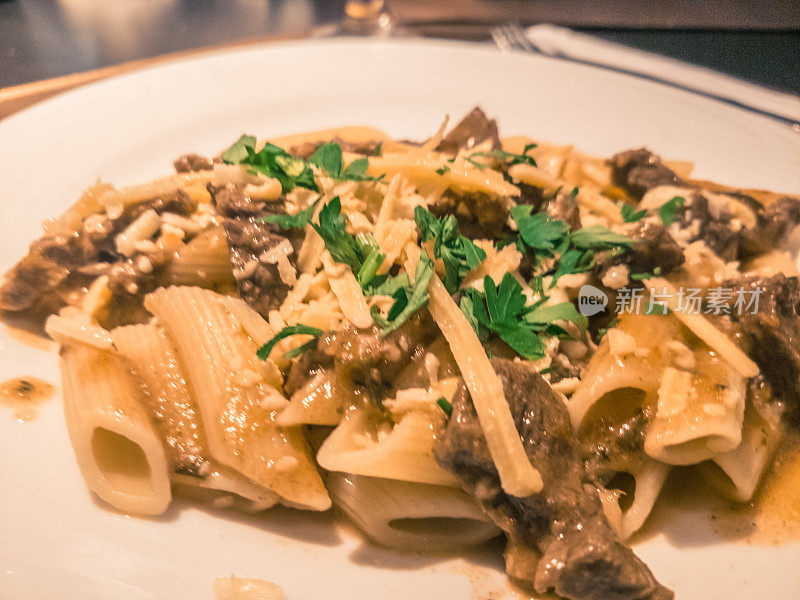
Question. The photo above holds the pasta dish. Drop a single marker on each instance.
(446, 341)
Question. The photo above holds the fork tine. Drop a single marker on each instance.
(501, 39)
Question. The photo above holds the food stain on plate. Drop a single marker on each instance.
(24, 395)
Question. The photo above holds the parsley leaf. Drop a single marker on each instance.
(668, 211)
(459, 254)
(442, 170)
(328, 157)
(332, 229)
(445, 406)
(238, 151)
(296, 221)
(573, 261)
(271, 161)
(357, 171)
(409, 300)
(509, 158)
(630, 214)
(597, 237)
(265, 350)
(502, 310)
(539, 232)
(360, 253)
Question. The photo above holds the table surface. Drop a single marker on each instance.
(42, 39)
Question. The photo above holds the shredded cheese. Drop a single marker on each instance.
(517, 475)
(702, 328)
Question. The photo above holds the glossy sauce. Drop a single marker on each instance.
(773, 516)
(24, 395)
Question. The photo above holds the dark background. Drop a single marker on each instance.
(759, 42)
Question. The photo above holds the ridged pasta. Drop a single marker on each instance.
(117, 447)
(168, 401)
(203, 261)
(237, 395)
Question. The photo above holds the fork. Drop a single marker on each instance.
(562, 43)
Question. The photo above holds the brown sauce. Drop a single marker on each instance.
(24, 395)
(773, 516)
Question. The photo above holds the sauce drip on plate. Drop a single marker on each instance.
(24, 395)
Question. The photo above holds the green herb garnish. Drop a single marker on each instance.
(296, 221)
(631, 215)
(407, 300)
(329, 158)
(598, 237)
(668, 211)
(509, 158)
(271, 161)
(502, 310)
(445, 406)
(265, 350)
(458, 253)
(442, 170)
(539, 231)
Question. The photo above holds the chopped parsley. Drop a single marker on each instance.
(630, 214)
(509, 158)
(296, 221)
(458, 253)
(597, 237)
(265, 350)
(271, 161)
(446, 407)
(328, 157)
(502, 310)
(442, 170)
(668, 211)
(359, 252)
(539, 231)
(410, 298)
(551, 238)
(642, 276)
(604, 330)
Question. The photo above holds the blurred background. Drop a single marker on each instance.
(39, 39)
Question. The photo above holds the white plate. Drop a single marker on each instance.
(56, 541)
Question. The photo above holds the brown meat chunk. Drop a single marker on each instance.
(475, 128)
(654, 247)
(637, 171)
(189, 163)
(259, 283)
(558, 539)
(771, 336)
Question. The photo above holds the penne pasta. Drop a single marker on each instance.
(237, 396)
(411, 516)
(118, 448)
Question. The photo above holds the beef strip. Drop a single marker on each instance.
(559, 538)
(475, 128)
(715, 231)
(561, 205)
(366, 359)
(771, 336)
(189, 163)
(654, 247)
(637, 171)
(259, 282)
(479, 215)
(304, 151)
(46, 279)
(774, 222)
